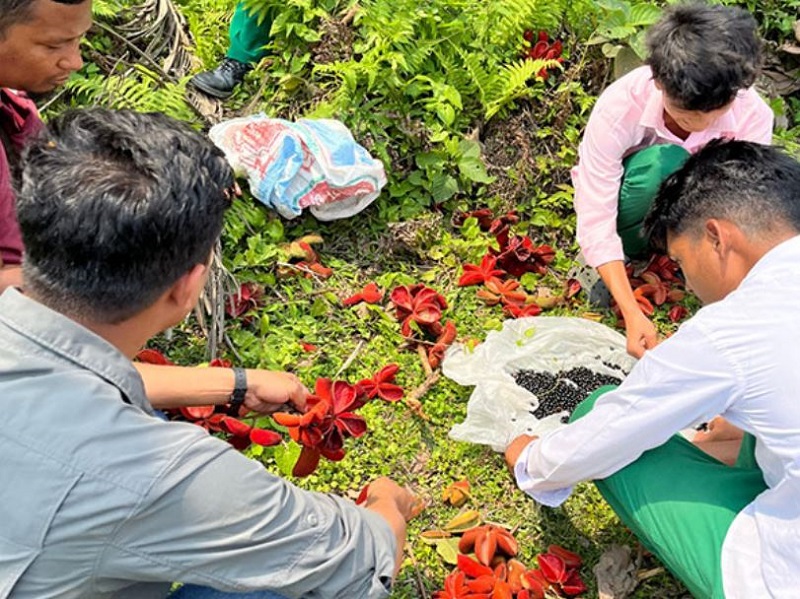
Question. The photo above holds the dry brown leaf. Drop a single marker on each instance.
(615, 573)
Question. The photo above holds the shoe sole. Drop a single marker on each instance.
(210, 91)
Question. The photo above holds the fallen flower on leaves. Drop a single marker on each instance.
(487, 541)
(382, 384)
(480, 274)
(677, 313)
(247, 298)
(457, 493)
(370, 294)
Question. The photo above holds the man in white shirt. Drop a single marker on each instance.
(731, 218)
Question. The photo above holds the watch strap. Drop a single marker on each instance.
(239, 391)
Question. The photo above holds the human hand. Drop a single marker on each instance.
(640, 333)
(515, 448)
(385, 490)
(268, 391)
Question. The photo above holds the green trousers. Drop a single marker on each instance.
(248, 37)
(644, 171)
(680, 502)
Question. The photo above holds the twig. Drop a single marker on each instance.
(423, 356)
(232, 348)
(350, 358)
(422, 591)
(426, 385)
(300, 269)
(412, 400)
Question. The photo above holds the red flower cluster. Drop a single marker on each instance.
(657, 285)
(515, 255)
(423, 306)
(247, 298)
(539, 47)
(496, 574)
(214, 418)
(330, 417)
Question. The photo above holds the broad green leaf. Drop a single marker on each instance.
(643, 15)
(443, 187)
(286, 455)
(448, 550)
(474, 170)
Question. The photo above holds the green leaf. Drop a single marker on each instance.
(448, 550)
(643, 15)
(443, 187)
(286, 455)
(474, 170)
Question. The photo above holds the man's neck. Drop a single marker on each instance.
(127, 336)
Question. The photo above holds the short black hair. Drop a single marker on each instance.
(703, 55)
(114, 207)
(13, 12)
(757, 187)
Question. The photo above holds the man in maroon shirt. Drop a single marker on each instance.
(39, 49)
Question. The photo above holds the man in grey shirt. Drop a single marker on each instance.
(99, 498)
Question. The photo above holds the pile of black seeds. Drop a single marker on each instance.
(563, 390)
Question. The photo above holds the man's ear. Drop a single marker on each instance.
(186, 290)
(717, 236)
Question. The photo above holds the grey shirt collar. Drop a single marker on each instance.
(66, 338)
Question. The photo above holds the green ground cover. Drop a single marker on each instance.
(440, 92)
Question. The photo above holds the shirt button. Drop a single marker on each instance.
(312, 520)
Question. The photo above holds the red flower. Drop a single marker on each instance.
(370, 294)
(308, 347)
(323, 428)
(478, 275)
(482, 215)
(247, 298)
(417, 303)
(517, 311)
(677, 313)
(455, 587)
(517, 255)
(381, 385)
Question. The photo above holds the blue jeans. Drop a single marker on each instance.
(191, 591)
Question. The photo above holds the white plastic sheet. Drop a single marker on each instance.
(499, 410)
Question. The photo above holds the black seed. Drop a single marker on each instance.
(562, 391)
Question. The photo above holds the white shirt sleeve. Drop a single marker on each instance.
(682, 382)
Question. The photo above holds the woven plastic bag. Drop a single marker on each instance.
(311, 163)
(499, 410)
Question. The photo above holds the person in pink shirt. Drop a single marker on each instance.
(695, 87)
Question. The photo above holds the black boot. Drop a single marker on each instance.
(221, 81)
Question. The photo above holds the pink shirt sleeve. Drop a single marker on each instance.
(610, 133)
(755, 118)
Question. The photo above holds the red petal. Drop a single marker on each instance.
(387, 373)
(197, 412)
(571, 560)
(220, 363)
(371, 293)
(322, 389)
(344, 394)
(573, 585)
(235, 426)
(152, 356)
(427, 313)
(307, 462)
(267, 438)
(401, 297)
(352, 424)
(472, 568)
(362, 497)
(390, 392)
(552, 567)
(284, 419)
(353, 300)
(368, 387)
(470, 278)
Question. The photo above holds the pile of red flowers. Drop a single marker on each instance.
(419, 309)
(658, 284)
(495, 573)
(330, 417)
(500, 268)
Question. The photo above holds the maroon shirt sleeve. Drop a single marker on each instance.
(19, 120)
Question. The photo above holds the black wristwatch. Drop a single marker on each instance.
(239, 391)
